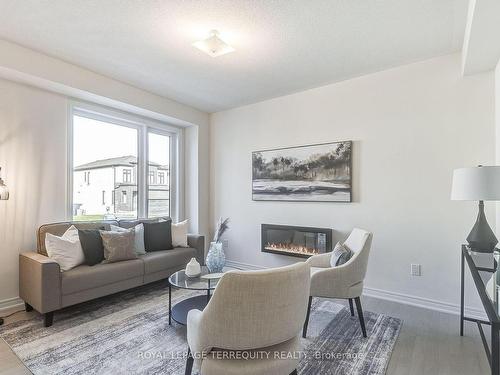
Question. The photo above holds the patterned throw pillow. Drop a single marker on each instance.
(138, 238)
(340, 255)
(118, 246)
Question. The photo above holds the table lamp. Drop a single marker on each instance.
(478, 184)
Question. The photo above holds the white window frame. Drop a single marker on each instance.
(143, 126)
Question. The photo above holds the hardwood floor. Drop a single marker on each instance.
(429, 343)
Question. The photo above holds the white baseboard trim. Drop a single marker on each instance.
(405, 299)
(243, 266)
(10, 305)
(426, 303)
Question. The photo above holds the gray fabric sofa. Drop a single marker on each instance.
(45, 288)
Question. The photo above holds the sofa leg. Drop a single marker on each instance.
(360, 315)
(189, 363)
(48, 319)
(294, 372)
(351, 307)
(304, 330)
(28, 307)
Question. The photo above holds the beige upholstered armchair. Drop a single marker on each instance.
(250, 313)
(345, 281)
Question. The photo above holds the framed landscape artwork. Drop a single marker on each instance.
(314, 173)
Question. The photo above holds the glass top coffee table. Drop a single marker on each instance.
(206, 282)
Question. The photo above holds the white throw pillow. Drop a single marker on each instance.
(139, 247)
(65, 250)
(180, 234)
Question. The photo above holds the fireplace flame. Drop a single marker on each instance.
(291, 248)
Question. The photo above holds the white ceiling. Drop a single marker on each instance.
(282, 46)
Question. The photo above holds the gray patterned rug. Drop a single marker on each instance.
(128, 333)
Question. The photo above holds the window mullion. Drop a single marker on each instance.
(142, 171)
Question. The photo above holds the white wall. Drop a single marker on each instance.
(33, 160)
(411, 126)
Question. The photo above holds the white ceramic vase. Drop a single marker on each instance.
(193, 268)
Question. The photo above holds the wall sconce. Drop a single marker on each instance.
(4, 191)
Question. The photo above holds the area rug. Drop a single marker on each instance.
(128, 333)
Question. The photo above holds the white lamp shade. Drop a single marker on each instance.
(476, 184)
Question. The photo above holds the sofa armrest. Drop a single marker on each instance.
(40, 282)
(197, 242)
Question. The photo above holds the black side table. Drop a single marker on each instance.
(489, 294)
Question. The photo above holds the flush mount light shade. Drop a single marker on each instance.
(213, 45)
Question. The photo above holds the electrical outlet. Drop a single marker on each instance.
(416, 270)
(225, 244)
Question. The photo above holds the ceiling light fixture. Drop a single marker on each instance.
(213, 45)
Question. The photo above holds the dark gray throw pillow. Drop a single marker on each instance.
(92, 247)
(158, 236)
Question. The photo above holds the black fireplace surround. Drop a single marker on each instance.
(302, 242)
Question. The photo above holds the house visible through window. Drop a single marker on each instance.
(113, 152)
(127, 175)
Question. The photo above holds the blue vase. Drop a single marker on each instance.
(216, 259)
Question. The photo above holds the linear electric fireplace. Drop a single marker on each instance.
(295, 241)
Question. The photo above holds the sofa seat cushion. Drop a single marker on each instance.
(161, 260)
(87, 277)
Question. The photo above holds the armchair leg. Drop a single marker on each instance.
(351, 307)
(294, 372)
(360, 315)
(304, 330)
(48, 319)
(189, 363)
(28, 307)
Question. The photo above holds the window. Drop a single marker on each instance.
(100, 147)
(127, 175)
(159, 157)
(131, 158)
